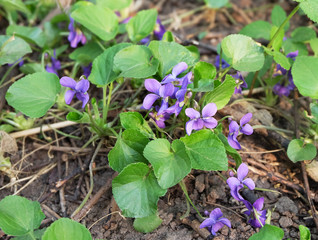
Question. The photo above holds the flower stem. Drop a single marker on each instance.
(272, 128)
(224, 72)
(104, 104)
(184, 189)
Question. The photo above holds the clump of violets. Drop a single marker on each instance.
(254, 211)
(241, 83)
(76, 88)
(76, 35)
(197, 122)
(284, 87)
(171, 87)
(235, 129)
(54, 66)
(215, 221)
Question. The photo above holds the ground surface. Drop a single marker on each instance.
(261, 151)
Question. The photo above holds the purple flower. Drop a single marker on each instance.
(87, 70)
(281, 90)
(158, 91)
(159, 30)
(215, 221)
(55, 65)
(255, 212)
(197, 122)
(236, 184)
(161, 115)
(76, 35)
(176, 71)
(235, 129)
(78, 88)
(241, 83)
(20, 64)
(224, 63)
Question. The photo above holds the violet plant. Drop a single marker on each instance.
(148, 160)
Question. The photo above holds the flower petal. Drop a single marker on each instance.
(209, 110)
(246, 118)
(233, 182)
(68, 82)
(231, 139)
(189, 127)
(207, 223)
(198, 124)
(167, 79)
(191, 113)
(69, 96)
(216, 214)
(242, 172)
(82, 97)
(225, 221)
(247, 129)
(149, 101)
(210, 122)
(166, 90)
(216, 227)
(248, 182)
(179, 68)
(152, 85)
(258, 204)
(82, 86)
(233, 127)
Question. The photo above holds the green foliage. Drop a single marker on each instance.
(222, 94)
(170, 54)
(66, 229)
(34, 94)
(78, 117)
(278, 16)
(12, 49)
(102, 69)
(216, 3)
(114, 5)
(14, 5)
(147, 224)
(30, 34)
(86, 54)
(243, 53)
(314, 46)
(305, 75)
(268, 232)
(19, 216)
(170, 163)
(314, 111)
(303, 34)
(101, 21)
(136, 62)
(298, 151)
(229, 150)
(141, 25)
(257, 29)
(204, 74)
(128, 149)
(278, 41)
(199, 146)
(278, 57)
(134, 120)
(290, 46)
(29, 68)
(310, 8)
(137, 191)
(304, 233)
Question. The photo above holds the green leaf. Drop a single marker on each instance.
(204, 70)
(243, 52)
(314, 112)
(34, 94)
(299, 151)
(290, 46)
(12, 49)
(310, 8)
(134, 120)
(257, 29)
(101, 21)
(135, 61)
(222, 94)
(14, 5)
(128, 149)
(278, 41)
(78, 117)
(147, 224)
(30, 34)
(216, 3)
(170, 54)
(278, 57)
(19, 216)
(304, 233)
(170, 163)
(86, 54)
(102, 70)
(268, 232)
(200, 145)
(314, 46)
(168, 37)
(114, 5)
(278, 16)
(137, 191)
(305, 75)
(66, 229)
(141, 25)
(303, 34)
(229, 150)
(29, 68)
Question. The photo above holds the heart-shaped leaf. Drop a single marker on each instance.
(298, 151)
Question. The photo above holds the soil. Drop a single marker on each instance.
(207, 190)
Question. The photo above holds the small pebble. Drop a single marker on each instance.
(285, 222)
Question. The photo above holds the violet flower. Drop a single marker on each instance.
(158, 91)
(215, 221)
(87, 70)
(76, 35)
(161, 115)
(224, 63)
(236, 184)
(241, 83)
(235, 129)
(77, 88)
(255, 212)
(197, 122)
(20, 64)
(159, 30)
(55, 65)
(176, 71)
